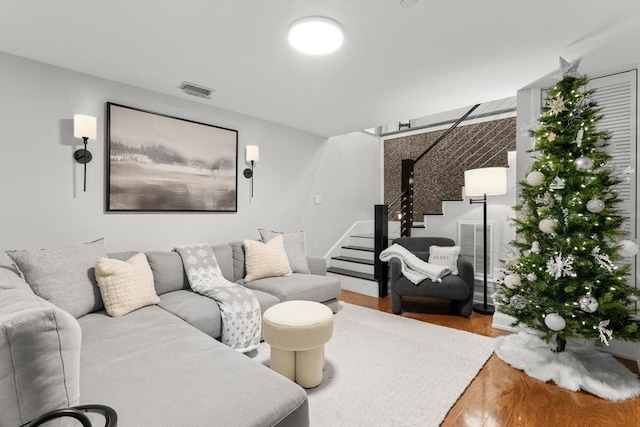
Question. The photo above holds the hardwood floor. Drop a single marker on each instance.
(501, 396)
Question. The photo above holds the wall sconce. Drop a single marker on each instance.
(84, 127)
(485, 182)
(252, 154)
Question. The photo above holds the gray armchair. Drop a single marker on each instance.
(458, 288)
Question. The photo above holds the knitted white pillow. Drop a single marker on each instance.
(446, 256)
(125, 286)
(266, 259)
(294, 248)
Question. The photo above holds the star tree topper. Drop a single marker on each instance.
(570, 69)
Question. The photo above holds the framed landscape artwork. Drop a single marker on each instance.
(159, 163)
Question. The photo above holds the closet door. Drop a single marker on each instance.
(617, 96)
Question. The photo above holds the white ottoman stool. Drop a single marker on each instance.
(297, 332)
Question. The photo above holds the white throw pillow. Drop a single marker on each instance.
(293, 246)
(446, 256)
(266, 259)
(125, 286)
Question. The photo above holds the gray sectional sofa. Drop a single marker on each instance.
(160, 365)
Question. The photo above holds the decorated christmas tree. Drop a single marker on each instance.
(567, 276)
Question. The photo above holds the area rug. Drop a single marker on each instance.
(388, 370)
(580, 367)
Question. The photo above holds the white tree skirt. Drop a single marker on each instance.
(580, 367)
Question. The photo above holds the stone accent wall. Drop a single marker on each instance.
(439, 176)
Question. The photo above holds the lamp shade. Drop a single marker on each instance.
(489, 181)
(252, 153)
(85, 126)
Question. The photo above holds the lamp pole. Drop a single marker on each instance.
(483, 181)
(484, 308)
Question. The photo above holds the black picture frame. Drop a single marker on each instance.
(160, 163)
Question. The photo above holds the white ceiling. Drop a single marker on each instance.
(395, 64)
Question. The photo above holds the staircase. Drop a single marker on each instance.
(481, 144)
(352, 260)
(356, 258)
(355, 264)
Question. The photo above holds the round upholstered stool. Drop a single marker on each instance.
(297, 332)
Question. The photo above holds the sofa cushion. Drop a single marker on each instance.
(266, 259)
(197, 310)
(293, 246)
(64, 276)
(39, 357)
(299, 287)
(224, 258)
(202, 312)
(451, 287)
(156, 370)
(122, 256)
(239, 270)
(169, 274)
(266, 300)
(125, 286)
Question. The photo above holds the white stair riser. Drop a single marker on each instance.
(366, 242)
(353, 266)
(353, 284)
(355, 253)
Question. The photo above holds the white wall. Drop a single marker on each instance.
(347, 180)
(41, 199)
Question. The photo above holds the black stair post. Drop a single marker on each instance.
(406, 207)
(380, 243)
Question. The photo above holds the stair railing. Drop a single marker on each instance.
(381, 212)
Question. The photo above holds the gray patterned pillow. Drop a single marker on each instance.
(293, 246)
(64, 276)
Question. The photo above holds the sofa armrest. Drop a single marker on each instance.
(39, 357)
(317, 265)
(10, 279)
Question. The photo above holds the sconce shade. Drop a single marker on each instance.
(252, 153)
(489, 181)
(85, 126)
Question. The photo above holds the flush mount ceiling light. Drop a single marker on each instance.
(316, 35)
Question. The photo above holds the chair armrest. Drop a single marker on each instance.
(317, 265)
(465, 271)
(395, 271)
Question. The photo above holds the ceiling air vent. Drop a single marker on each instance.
(195, 90)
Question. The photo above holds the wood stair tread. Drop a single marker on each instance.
(350, 273)
(352, 259)
(358, 248)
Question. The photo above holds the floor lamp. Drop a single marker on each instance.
(484, 182)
